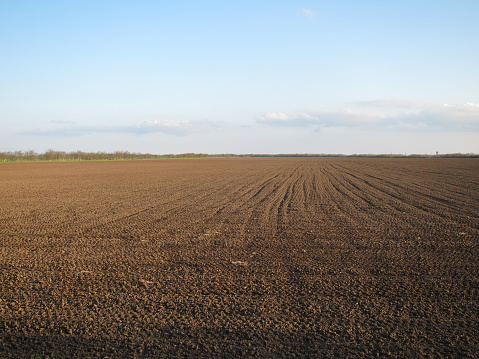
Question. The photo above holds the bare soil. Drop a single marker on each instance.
(272, 257)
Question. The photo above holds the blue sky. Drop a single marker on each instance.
(240, 77)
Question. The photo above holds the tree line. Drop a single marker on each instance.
(52, 155)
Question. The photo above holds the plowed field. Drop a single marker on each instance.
(271, 257)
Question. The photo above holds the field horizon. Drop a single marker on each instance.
(52, 155)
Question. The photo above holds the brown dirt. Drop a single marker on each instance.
(240, 258)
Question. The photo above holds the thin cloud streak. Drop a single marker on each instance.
(64, 122)
(175, 128)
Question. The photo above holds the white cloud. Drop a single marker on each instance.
(385, 115)
(308, 12)
(279, 118)
(433, 116)
(346, 117)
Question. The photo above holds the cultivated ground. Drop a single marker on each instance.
(291, 257)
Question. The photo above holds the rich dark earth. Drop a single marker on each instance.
(273, 257)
